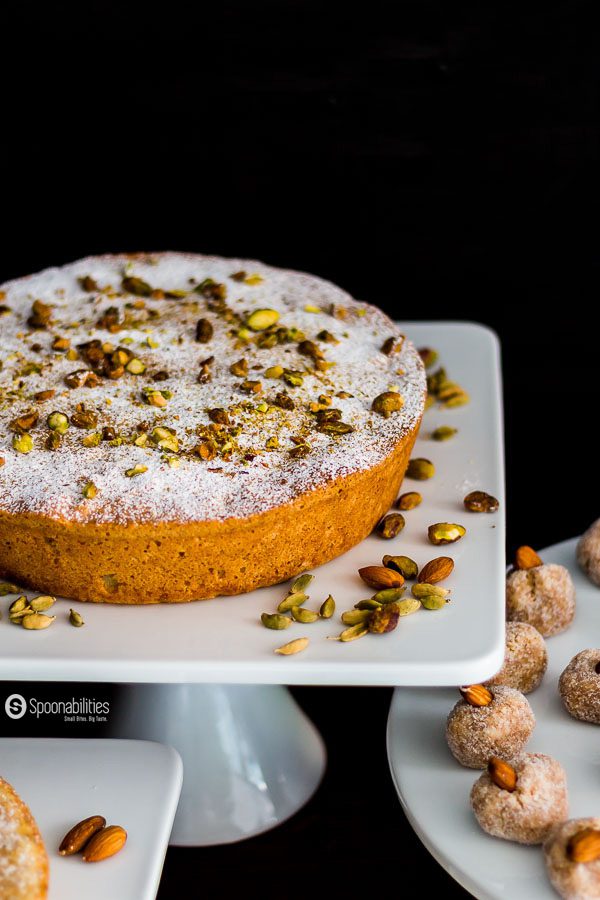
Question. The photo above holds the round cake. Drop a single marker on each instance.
(23, 857)
(176, 426)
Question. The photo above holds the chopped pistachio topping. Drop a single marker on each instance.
(138, 469)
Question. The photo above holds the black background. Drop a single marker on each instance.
(437, 159)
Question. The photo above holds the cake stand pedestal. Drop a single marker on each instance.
(251, 758)
(204, 678)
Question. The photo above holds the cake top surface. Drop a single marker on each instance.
(180, 387)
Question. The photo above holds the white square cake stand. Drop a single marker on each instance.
(203, 677)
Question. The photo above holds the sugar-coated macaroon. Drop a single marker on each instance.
(572, 854)
(522, 800)
(542, 596)
(525, 658)
(486, 722)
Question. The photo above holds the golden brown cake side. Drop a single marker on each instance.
(23, 858)
(171, 562)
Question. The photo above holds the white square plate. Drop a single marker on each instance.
(223, 641)
(135, 784)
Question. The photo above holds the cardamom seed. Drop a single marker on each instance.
(408, 606)
(301, 583)
(37, 621)
(292, 647)
(390, 526)
(431, 601)
(17, 605)
(306, 616)
(75, 618)
(291, 600)
(353, 633)
(275, 621)
(420, 469)
(356, 616)
(445, 533)
(429, 590)
(327, 608)
(402, 564)
(389, 595)
(7, 588)
(42, 603)
(369, 603)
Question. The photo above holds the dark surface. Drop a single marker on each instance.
(441, 165)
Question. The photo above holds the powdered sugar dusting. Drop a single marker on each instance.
(19, 856)
(161, 333)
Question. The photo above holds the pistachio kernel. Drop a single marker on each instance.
(239, 368)
(390, 526)
(22, 443)
(443, 433)
(275, 621)
(84, 418)
(480, 501)
(274, 372)
(429, 356)
(402, 564)
(53, 441)
(387, 403)
(136, 286)
(92, 439)
(89, 490)
(135, 366)
(138, 469)
(409, 500)
(420, 469)
(327, 608)
(262, 319)
(384, 619)
(25, 422)
(445, 533)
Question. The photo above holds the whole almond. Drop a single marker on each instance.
(502, 774)
(526, 558)
(380, 577)
(105, 843)
(436, 570)
(477, 695)
(584, 846)
(76, 839)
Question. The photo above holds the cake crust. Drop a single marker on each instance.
(190, 526)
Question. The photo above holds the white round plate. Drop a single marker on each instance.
(434, 789)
